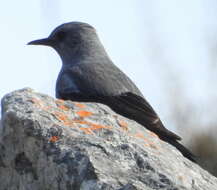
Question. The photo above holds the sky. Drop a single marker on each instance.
(167, 47)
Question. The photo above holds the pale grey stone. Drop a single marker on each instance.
(44, 146)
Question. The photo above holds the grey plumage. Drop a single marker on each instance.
(88, 74)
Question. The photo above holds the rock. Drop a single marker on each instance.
(54, 144)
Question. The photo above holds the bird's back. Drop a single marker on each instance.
(95, 78)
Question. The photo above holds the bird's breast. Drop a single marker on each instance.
(65, 83)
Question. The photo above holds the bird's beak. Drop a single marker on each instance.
(45, 41)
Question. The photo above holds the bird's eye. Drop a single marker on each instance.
(61, 35)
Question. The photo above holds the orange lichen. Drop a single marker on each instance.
(60, 104)
(83, 113)
(97, 126)
(87, 131)
(140, 135)
(40, 104)
(123, 124)
(181, 178)
(70, 122)
(79, 105)
(93, 126)
(80, 122)
(62, 107)
(148, 142)
(63, 118)
(47, 108)
(59, 101)
(153, 134)
(90, 126)
(54, 139)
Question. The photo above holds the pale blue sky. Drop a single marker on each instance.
(161, 44)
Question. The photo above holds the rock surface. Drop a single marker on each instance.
(50, 144)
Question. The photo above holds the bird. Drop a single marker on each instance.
(89, 75)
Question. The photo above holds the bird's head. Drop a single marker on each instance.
(70, 40)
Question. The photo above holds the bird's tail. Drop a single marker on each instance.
(185, 152)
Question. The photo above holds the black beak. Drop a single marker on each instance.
(45, 41)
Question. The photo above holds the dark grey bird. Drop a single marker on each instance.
(89, 75)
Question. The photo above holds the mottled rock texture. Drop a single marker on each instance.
(50, 144)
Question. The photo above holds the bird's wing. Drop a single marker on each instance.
(137, 108)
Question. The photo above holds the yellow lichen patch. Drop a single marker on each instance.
(83, 113)
(54, 139)
(123, 124)
(80, 105)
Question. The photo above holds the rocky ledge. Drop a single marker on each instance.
(46, 143)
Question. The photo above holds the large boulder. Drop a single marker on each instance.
(51, 144)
